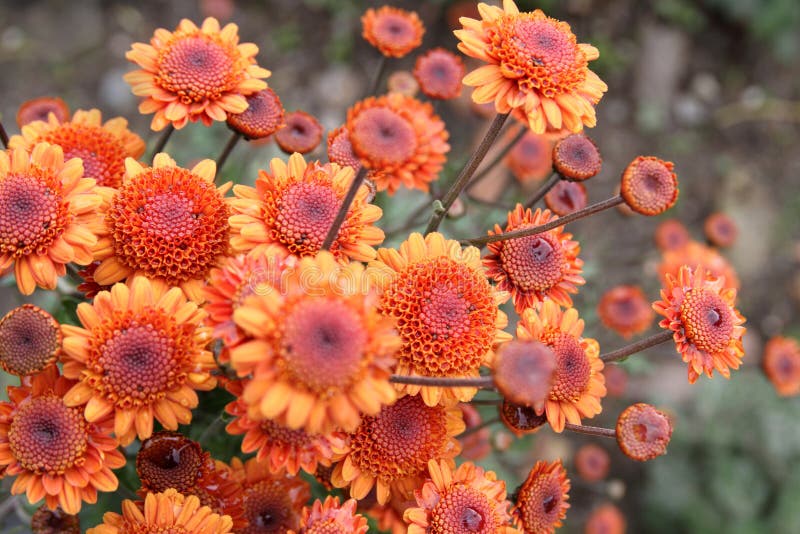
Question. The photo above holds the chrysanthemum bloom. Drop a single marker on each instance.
(616, 380)
(39, 109)
(403, 82)
(30, 340)
(566, 197)
(331, 517)
(140, 354)
(301, 133)
(165, 223)
(696, 255)
(389, 517)
(542, 498)
(46, 521)
(531, 158)
(721, 230)
(399, 138)
(671, 235)
(577, 158)
(262, 118)
(625, 310)
(520, 419)
(605, 519)
(277, 446)
(48, 215)
(534, 63)
(439, 74)
(447, 312)
(474, 446)
(649, 186)
(390, 451)
(643, 432)
(781, 364)
(293, 206)
(272, 503)
(394, 32)
(89, 287)
(579, 383)
(467, 499)
(165, 512)
(592, 462)
(320, 353)
(523, 372)
(340, 151)
(537, 267)
(103, 146)
(54, 452)
(194, 74)
(707, 328)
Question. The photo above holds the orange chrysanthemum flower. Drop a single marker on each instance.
(696, 255)
(625, 310)
(140, 354)
(643, 432)
(649, 186)
(103, 146)
(48, 215)
(39, 109)
(542, 498)
(394, 32)
(535, 64)
(447, 312)
(54, 452)
(592, 462)
(390, 451)
(320, 351)
(332, 518)
(671, 235)
(165, 223)
(46, 521)
(566, 197)
(521, 419)
(301, 133)
(30, 340)
(89, 287)
(169, 511)
(467, 499)
(707, 328)
(605, 519)
(579, 383)
(263, 117)
(278, 447)
(293, 206)
(194, 74)
(781, 364)
(721, 230)
(439, 72)
(400, 139)
(537, 267)
(531, 158)
(272, 503)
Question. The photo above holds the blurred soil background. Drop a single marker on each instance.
(713, 85)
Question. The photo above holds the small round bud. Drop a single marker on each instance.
(671, 235)
(302, 133)
(30, 340)
(403, 82)
(262, 118)
(439, 73)
(643, 432)
(566, 197)
(521, 419)
(577, 158)
(592, 462)
(523, 372)
(721, 230)
(649, 186)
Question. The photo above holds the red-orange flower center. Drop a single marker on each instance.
(196, 68)
(169, 460)
(47, 437)
(268, 508)
(576, 157)
(323, 344)
(301, 133)
(304, 212)
(263, 116)
(169, 223)
(533, 263)
(566, 197)
(102, 152)
(439, 74)
(707, 319)
(649, 186)
(32, 214)
(573, 369)
(382, 136)
(30, 339)
(463, 509)
(643, 432)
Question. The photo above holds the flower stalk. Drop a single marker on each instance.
(481, 382)
(592, 430)
(162, 141)
(633, 348)
(223, 157)
(544, 189)
(344, 208)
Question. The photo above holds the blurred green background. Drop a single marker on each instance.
(713, 85)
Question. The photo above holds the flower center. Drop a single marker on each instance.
(327, 526)
(707, 319)
(573, 369)
(281, 434)
(541, 502)
(649, 186)
(383, 137)
(394, 30)
(29, 340)
(263, 116)
(462, 509)
(533, 263)
(399, 441)
(197, 69)
(169, 460)
(32, 214)
(47, 437)
(304, 214)
(103, 154)
(323, 344)
(268, 508)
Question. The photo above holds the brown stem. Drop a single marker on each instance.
(497, 159)
(633, 348)
(235, 136)
(555, 223)
(376, 78)
(466, 173)
(162, 141)
(592, 430)
(3, 135)
(344, 208)
(482, 382)
(544, 189)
